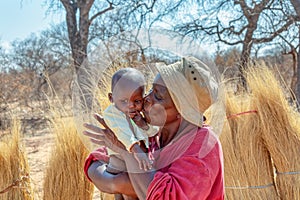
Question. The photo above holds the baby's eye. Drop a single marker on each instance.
(124, 101)
(138, 101)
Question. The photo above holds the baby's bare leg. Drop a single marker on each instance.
(115, 165)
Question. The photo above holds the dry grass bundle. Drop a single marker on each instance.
(280, 124)
(64, 177)
(14, 172)
(247, 164)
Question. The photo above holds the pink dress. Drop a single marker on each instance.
(195, 175)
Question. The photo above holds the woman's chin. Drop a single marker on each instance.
(154, 122)
(155, 118)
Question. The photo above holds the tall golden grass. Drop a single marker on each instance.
(64, 177)
(14, 171)
(280, 125)
(248, 169)
(261, 147)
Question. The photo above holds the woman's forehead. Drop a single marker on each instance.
(159, 81)
(159, 84)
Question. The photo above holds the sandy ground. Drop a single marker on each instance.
(38, 140)
(38, 151)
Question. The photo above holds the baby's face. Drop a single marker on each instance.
(128, 98)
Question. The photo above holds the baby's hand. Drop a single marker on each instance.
(141, 157)
(140, 121)
(143, 161)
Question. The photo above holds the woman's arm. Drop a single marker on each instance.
(140, 179)
(116, 183)
(110, 183)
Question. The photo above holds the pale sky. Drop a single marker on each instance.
(20, 18)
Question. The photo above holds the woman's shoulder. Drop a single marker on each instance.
(204, 133)
(204, 142)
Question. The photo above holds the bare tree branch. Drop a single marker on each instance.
(111, 7)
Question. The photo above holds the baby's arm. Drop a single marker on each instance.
(140, 121)
(141, 157)
(147, 129)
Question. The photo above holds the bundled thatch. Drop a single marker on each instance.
(64, 177)
(247, 164)
(280, 125)
(14, 171)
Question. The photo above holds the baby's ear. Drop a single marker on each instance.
(110, 97)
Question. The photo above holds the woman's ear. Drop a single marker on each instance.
(110, 97)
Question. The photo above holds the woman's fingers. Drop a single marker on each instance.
(107, 131)
(103, 136)
(99, 142)
(96, 136)
(93, 128)
(145, 163)
(149, 165)
(100, 119)
(140, 164)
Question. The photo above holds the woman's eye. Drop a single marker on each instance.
(157, 96)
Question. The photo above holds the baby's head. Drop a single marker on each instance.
(127, 91)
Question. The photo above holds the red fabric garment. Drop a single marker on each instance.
(99, 154)
(153, 146)
(196, 175)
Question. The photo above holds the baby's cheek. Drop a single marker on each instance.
(139, 107)
(121, 107)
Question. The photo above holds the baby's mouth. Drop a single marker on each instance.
(132, 114)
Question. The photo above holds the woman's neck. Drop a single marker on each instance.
(168, 132)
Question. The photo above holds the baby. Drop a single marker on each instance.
(127, 93)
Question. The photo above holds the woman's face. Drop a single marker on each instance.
(159, 109)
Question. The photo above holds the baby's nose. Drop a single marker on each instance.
(131, 104)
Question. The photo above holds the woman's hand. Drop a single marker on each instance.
(103, 136)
